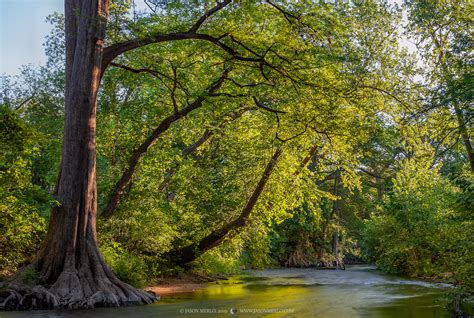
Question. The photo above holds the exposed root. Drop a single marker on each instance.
(28, 298)
(38, 297)
(70, 292)
(299, 258)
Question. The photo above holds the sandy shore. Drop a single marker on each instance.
(183, 284)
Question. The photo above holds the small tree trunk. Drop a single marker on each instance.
(335, 246)
(380, 187)
(69, 270)
(336, 212)
(321, 250)
(465, 137)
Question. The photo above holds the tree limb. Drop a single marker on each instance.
(143, 148)
(189, 253)
(114, 50)
(207, 14)
(260, 105)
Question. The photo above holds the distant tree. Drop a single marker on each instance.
(444, 38)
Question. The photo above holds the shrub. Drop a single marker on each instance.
(128, 267)
(22, 231)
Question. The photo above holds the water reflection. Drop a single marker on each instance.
(356, 292)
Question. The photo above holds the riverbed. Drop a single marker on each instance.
(359, 291)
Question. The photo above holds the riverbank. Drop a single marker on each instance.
(185, 283)
(359, 291)
(191, 281)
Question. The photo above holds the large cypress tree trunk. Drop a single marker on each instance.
(69, 271)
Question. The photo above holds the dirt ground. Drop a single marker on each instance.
(182, 284)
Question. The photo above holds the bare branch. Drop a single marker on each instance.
(243, 45)
(294, 136)
(153, 73)
(173, 90)
(384, 92)
(26, 101)
(149, 6)
(285, 13)
(260, 105)
(207, 14)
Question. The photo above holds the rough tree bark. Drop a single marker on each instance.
(189, 253)
(69, 270)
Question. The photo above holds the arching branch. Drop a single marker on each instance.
(151, 139)
(260, 105)
(207, 14)
(114, 50)
(191, 252)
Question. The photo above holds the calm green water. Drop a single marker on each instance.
(359, 291)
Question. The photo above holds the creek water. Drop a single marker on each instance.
(359, 291)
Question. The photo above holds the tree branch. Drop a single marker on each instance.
(143, 148)
(189, 253)
(114, 50)
(384, 92)
(192, 148)
(26, 101)
(153, 73)
(305, 161)
(260, 105)
(207, 14)
(173, 90)
(370, 173)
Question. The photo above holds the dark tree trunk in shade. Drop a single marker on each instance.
(70, 271)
